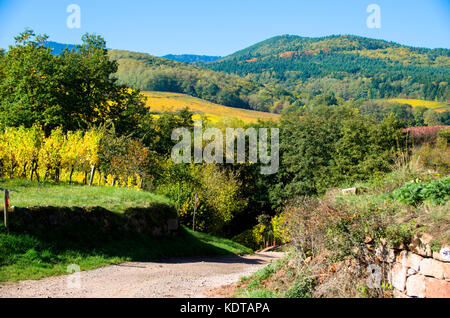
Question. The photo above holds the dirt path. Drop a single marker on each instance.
(172, 278)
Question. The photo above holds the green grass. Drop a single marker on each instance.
(254, 288)
(26, 194)
(28, 257)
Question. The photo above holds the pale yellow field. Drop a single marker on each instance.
(437, 106)
(162, 101)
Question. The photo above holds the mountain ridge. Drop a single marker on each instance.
(288, 70)
(192, 58)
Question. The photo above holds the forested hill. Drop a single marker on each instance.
(286, 72)
(150, 73)
(349, 66)
(192, 58)
(58, 48)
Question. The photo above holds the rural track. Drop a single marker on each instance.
(184, 278)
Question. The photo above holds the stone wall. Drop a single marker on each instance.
(416, 270)
(155, 220)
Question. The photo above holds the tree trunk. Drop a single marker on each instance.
(57, 173)
(11, 172)
(24, 171)
(71, 174)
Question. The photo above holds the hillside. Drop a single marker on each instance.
(437, 106)
(150, 73)
(163, 101)
(348, 66)
(58, 48)
(191, 58)
(271, 75)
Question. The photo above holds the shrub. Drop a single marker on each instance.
(301, 289)
(252, 238)
(280, 230)
(420, 135)
(434, 156)
(414, 193)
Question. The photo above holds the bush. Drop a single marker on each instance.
(217, 190)
(301, 289)
(414, 193)
(252, 238)
(434, 156)
(280, 230)
(420, 135)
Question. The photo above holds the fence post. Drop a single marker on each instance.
(91, 179)
(195, 210)
(5, 207)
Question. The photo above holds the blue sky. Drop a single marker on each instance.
(221, 27)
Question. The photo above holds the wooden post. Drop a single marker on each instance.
(195, 210)
(5, 208)
(91, 179)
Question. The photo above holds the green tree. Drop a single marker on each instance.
(432, 118)
(72, 90)
(418, 113)
(28, 84)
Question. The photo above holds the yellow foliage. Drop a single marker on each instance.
(437, 106)
(280, 229)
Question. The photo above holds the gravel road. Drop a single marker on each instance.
(187, 277)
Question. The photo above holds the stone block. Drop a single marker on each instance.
(415, 286)
(412, 260)
(420, 244)
(398, 276)
(432, 267)
(443, 255)
(351, 191)
(437, 288)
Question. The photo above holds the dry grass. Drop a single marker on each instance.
(163, 101)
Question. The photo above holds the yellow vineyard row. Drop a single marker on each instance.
(163, 101)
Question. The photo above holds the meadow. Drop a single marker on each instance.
(163, 101)
(24, 193)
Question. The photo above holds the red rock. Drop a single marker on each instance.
(437, 288)
(443, 255)
(398, 274)
(411, 260)
(420, 244)
(432, 267)
(446, 270)
(415, 286)
(411, 271)
(398, 294)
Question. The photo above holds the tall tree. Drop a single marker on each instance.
(73, 90)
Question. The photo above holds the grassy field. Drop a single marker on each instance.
(163, 101)
(26, 194)
(33, 256)
(437, 106)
